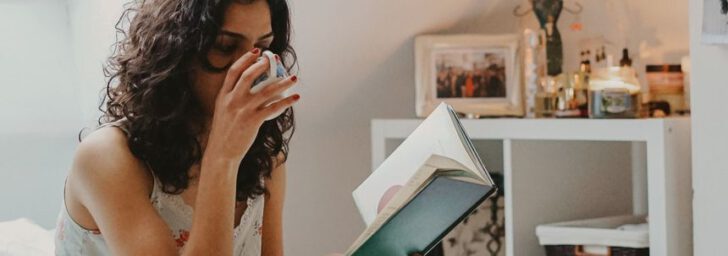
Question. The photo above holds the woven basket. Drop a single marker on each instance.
(578, 250)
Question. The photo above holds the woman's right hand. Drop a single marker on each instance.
(238, 113)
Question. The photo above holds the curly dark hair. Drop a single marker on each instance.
(148, 86)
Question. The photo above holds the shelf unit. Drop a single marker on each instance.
(566, 169)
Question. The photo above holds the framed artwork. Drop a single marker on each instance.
(715, 22)
(478, 75)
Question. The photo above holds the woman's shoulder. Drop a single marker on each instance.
(103, 159)
(103, 173)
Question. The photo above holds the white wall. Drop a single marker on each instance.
(37, 68)
(92, 29)
(39, 110)
(710, 143)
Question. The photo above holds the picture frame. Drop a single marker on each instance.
(478, 75)
(715, 22)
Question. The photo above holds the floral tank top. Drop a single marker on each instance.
(72, 239)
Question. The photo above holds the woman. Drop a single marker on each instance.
(185, 162)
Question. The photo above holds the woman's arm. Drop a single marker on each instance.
(213, 220)
(238, 115)
(109, 183)
(273, 212)
(114, 187)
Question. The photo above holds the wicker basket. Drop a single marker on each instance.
(581, 238)
(578, 250)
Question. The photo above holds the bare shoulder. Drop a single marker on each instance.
(108, 190)
(103, 161)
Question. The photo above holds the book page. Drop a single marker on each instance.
(478, 166)
(438, 134)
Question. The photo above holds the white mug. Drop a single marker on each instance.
(276, 72)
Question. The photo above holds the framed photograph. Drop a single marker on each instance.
(715, 22)
(478, 75)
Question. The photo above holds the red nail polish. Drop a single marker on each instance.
(278, 58)
(296, 97)
(255, 50)
(294, 78)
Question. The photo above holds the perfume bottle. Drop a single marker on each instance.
(547, 97)
(580, 81)
(625, 61)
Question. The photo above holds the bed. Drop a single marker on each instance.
(24, 237)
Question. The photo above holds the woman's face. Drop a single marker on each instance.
(245, 26)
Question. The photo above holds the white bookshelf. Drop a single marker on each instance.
(567, 169)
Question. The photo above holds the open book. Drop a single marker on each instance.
(432, 181)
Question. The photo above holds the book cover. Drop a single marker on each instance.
(428, 217)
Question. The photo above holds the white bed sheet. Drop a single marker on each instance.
(22, 237)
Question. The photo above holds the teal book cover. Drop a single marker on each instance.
(440, 206)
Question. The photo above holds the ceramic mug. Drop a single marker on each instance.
(276, 72)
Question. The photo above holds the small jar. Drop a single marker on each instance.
(666, 83)
(614, 93)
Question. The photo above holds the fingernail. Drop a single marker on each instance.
(296, 97)
(255, 51)
(278, 58)
(294, 78)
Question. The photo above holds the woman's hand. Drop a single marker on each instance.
(239, 113)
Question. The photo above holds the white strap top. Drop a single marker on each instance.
(72, 239)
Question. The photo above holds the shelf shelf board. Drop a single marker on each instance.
(544, 129)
